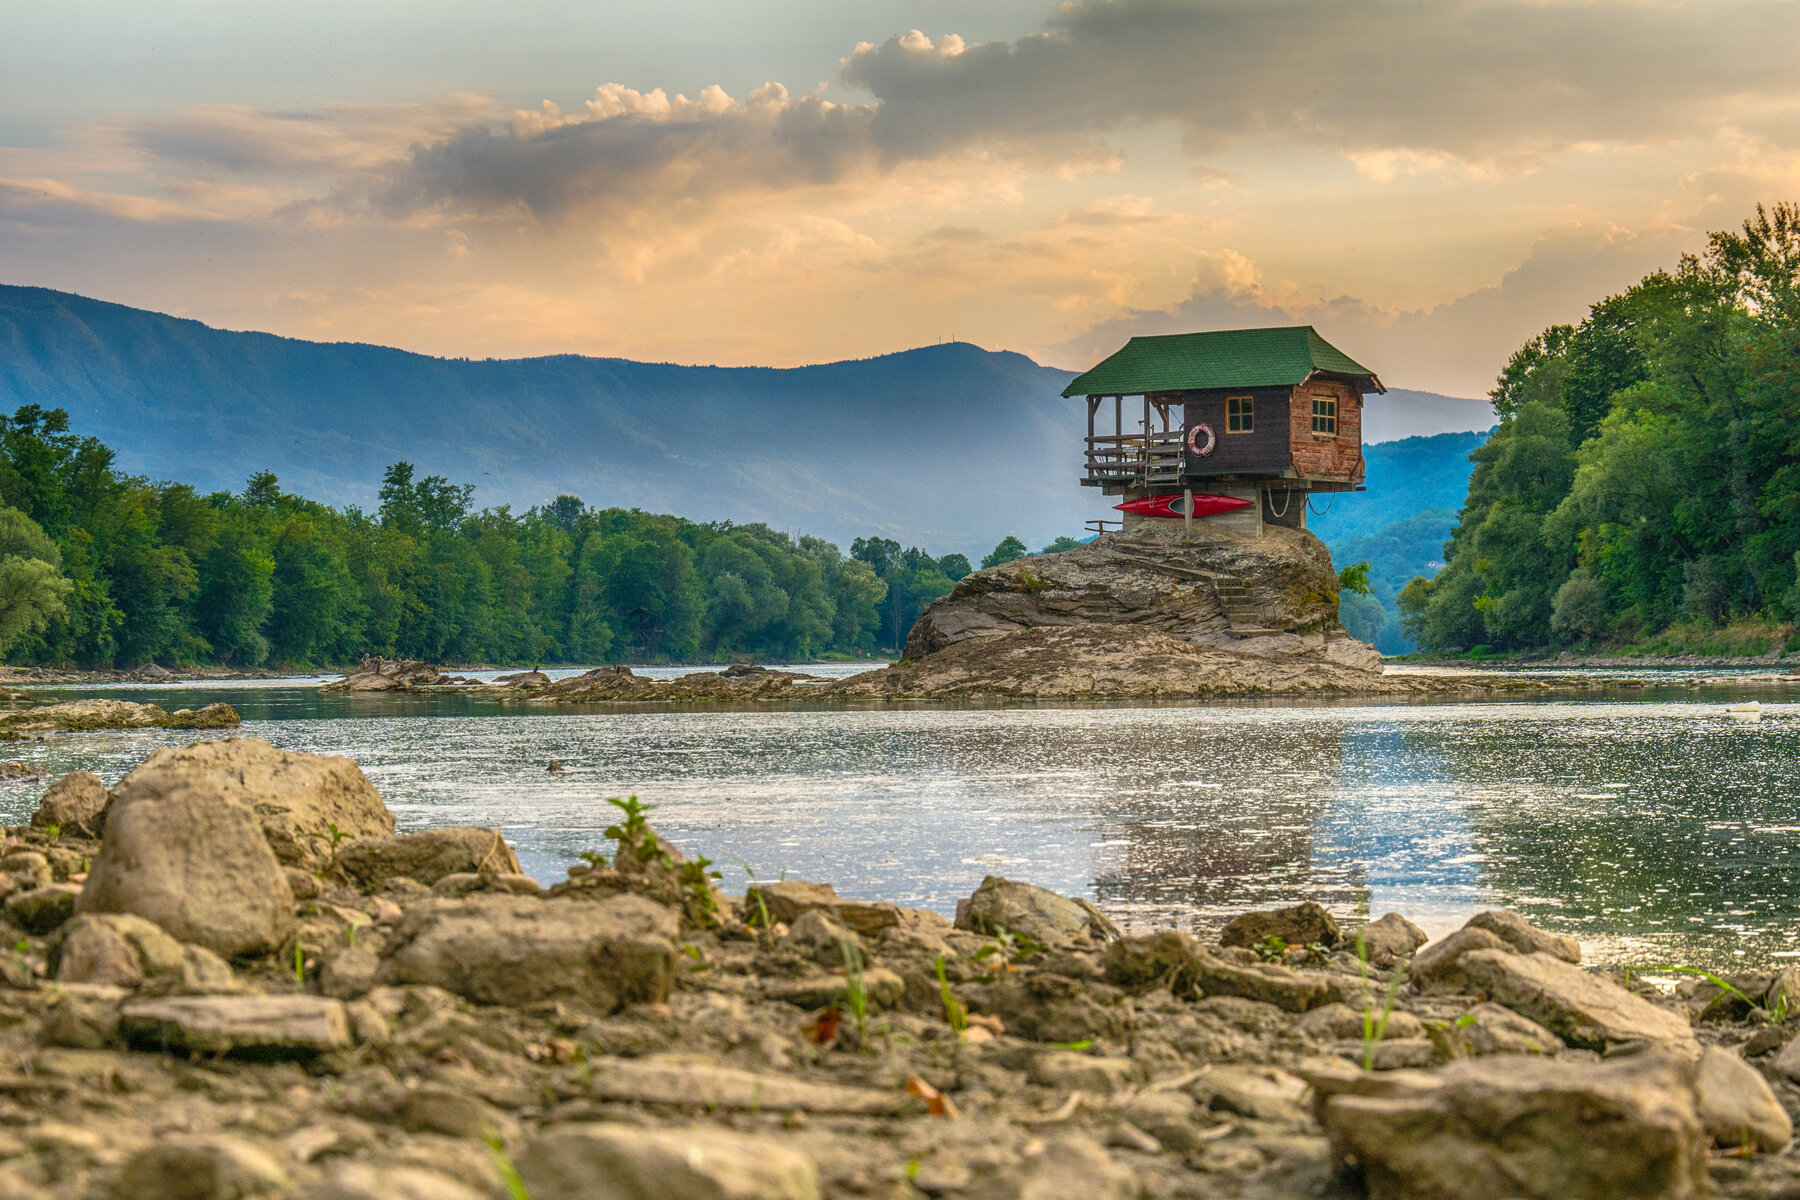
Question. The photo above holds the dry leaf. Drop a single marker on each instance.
(939, 1104)
(993, 1025)
(822, 1030)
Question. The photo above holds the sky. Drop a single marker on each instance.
(1429, 182)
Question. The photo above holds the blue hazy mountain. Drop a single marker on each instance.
(950, 447)
(1416, 486)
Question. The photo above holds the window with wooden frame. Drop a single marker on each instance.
(1240, 414)
(1324, 415)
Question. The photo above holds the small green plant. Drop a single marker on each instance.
(696, 884)
(1271, 948)
(954, 1012)
(856, 989)
(1726, 988)
(1077, 1047)
(53, 830)
(352, 929)
(334, 835)
(1010, 947)
(22, 946)
(1375, 1023)
(633, 833)
(299, 964)
(593, 858)
(503, 1163)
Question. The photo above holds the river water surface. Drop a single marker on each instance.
(1643, 821)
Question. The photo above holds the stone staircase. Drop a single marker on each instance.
(1239, 604)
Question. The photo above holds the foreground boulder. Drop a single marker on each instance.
(193, 862)
(428, 855)
(1522, 1127)
(1305, 924)
(1038, 913)
(72, 805)
(501, 949)
(305, 803)
(1582, 1008)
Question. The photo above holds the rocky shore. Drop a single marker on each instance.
(231, 977)
(23, 714)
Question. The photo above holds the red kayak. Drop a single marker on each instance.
(1175, 505)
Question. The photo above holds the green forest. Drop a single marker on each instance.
(1644, 481)
(102, 569)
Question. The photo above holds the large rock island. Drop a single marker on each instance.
(1147, 613)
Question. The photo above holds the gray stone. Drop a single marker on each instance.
(1520, 1127)
(1294, 991)
(73, 804)
(1438, 967)
(115, 948)
(348, 972)
(1492, 1029)
(29, 868)
(1787, 1063)
(1341, 1022)
(1306, 924)
(253, 1026)
(882, 987)
(195, 862)
(515, 950)
(1581, 1008)
(1391, 940)
(815, 935)
(695, 1085)
(790, 899)
(428, 855)
(83, 1016)
(298, 799)
(461, 883)
(1092, 1073)
(1036, 912)
(1147, 960)
(578, 1162)
(1267, 1093)
(211, 1167)
(1525, 937)
(1736, 1106)
(40, 910)
(1171, 1117)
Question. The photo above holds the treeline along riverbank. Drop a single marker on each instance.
(102, 569)
(1644, 482)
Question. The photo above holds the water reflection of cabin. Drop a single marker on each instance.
(1269, 415)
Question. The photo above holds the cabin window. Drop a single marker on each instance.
(1325, 415)
(1240, 414)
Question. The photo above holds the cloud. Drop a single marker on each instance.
(1455, 346)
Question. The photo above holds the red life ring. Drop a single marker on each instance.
(1195, 431)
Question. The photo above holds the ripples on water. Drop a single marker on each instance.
(1647, 824)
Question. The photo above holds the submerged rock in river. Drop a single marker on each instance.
(78, 715)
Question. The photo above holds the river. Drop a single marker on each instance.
(1642, 820)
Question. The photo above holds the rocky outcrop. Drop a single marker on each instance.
(393, 675)
(1272, 595)
(81, 715)
(619, 683)
(1143, 614)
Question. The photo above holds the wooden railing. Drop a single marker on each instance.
(1127, 458)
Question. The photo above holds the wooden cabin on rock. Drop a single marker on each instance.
(1271, 416)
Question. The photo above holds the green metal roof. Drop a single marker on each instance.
(1227, 358)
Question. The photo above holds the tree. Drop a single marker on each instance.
(32, 590)
(1010, 549)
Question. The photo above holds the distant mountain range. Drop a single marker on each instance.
(950, 447)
